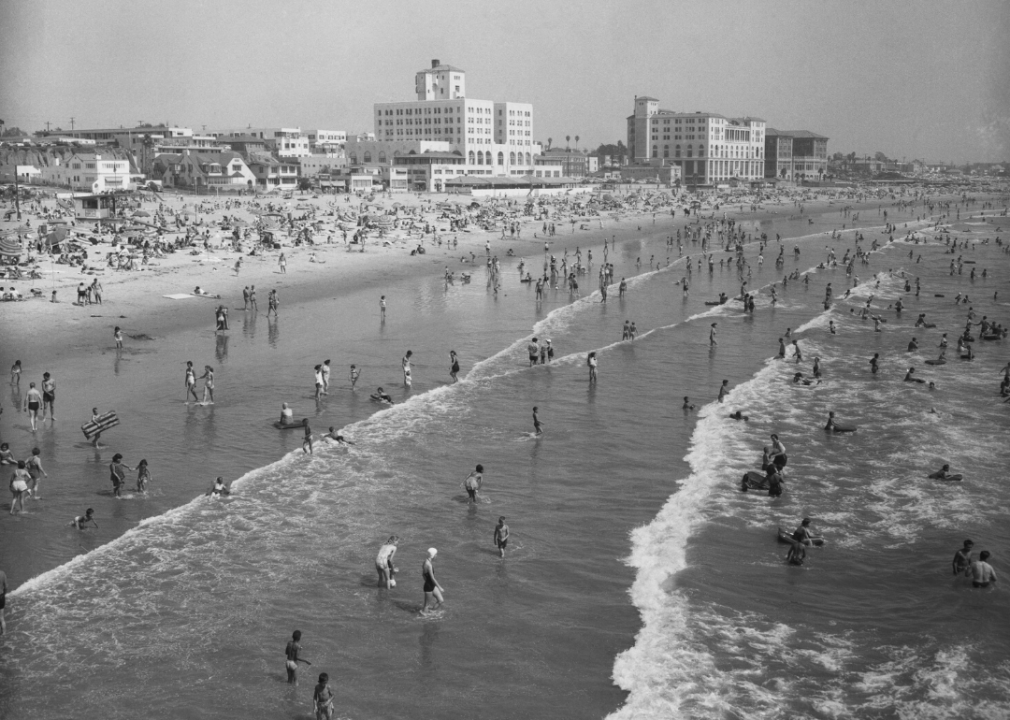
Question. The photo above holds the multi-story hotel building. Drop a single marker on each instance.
(494, 138)
(709, 148)
(795, 155)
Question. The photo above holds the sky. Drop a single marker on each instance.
(924, 79)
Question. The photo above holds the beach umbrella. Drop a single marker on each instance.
(10, 246)
(141, 213)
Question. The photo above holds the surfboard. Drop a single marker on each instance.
(293, 425)
(381, 401)
(936, 362)
(787, 537)
(842, 428)
(103, 423)
(952, 478)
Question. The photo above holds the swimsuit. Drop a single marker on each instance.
(429, 581)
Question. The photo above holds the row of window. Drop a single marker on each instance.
(718, 151)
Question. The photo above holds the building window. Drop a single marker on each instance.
(512, 158)
(368, 156)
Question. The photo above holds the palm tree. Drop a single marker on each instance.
(549, 141)
(568, 139)
(576, 142)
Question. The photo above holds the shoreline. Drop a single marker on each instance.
(138, 296)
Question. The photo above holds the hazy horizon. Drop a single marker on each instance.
(926, 80)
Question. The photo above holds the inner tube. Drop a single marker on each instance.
(293, 425)
(787, 537)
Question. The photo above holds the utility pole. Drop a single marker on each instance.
(71, 124)
(47, 126)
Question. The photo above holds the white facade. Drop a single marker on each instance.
(287, 142)
(708, 147)
(88, 171)
(326, 137)
(494, 138)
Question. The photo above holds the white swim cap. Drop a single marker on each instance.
(432, 552)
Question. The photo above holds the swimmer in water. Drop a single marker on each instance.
(943, 473)
(333, 435)
(909, 377)
(219, 489)
(962, 559)
(738, 416)
(81, 520)
(687, 404)
(307, 440)
(538, 427)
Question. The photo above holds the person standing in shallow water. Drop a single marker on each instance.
(292, 652)
(591, 362)
(431, 587)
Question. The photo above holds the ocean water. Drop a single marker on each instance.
(630, 538)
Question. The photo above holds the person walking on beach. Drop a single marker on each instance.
(382, 307)
(31, 404)
(307, 441)
(431, 586)
(355, 372)
(272, 303)
(190, 388)
(591, 362)
(117, 336)
(19, 486)
(384, 562)
(16, 373)
(291, 652)
(538, 427)
(533, 350)
(282, 261)
(501, 536)
(711, 336)
(35, 471)
(453, 366)
(208, 384)
(117, 474)
(405, 365)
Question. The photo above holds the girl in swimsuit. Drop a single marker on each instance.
(208, 385)
(19, 486)
(191, 383)
(431, 586)
(16, 373)
(34, 467)
(143, 476)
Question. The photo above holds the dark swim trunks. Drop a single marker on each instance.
(3, 600)
(979, 585)
(33, 406)
(472, 493)
(429, 584)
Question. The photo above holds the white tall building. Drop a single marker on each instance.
(708, 147)
(493, 138)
